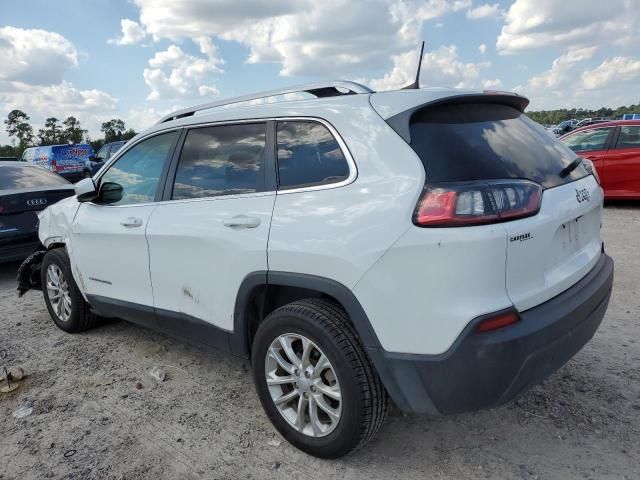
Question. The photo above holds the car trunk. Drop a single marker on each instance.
(550, 252)
(479, 140)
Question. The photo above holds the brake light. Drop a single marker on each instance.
(54, 166)
(477, 203)
(497, 322)
(591, 168)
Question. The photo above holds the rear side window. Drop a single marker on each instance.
(224, 160)
(19, 177)
(588, 141)
(629, 137)
(308, 155)
(478, 141)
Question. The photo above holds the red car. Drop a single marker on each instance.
(614, 149)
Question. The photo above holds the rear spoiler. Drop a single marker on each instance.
(401, 121)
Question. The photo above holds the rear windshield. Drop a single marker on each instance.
(18, 177)
(475, 141)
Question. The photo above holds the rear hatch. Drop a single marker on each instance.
(477, 140)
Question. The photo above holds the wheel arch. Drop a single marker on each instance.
(262, 292)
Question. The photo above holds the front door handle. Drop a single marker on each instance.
(131, 222)
(241, 221)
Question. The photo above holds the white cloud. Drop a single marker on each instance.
(176, 74)
(534, 24)
(485, 11)
(90, 106)
(482, 48)
(494, 84)
(141, 118)
(34, 56)
(440, 67)
(33, 64)
(306, 37)
(132, 32)
(570, 82)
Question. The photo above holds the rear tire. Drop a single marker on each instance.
(355, 393)
(65, 303)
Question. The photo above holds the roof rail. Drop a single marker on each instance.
(320, 89)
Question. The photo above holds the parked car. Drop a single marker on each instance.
(24, 191)
(93, 164)
(564, 127)
(8, 159)
(356, 247)
(590, 121)
(66, 160)
(614, 149)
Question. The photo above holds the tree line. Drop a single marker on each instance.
(56, 132)
(553, 117)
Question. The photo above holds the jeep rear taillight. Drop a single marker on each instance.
(477, 203)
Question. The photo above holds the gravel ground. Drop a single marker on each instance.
(205, 421)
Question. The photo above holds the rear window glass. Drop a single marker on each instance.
(475, 141)
(18, 177)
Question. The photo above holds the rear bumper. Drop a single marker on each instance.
(489, 369)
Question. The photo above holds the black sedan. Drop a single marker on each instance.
(24, 191)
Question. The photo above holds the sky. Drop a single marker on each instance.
(139, 59)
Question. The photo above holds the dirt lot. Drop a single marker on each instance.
(205, 421)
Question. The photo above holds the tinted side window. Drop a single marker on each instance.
(308, 155)
(588, 141)
(138, 170)
(629, 137)
(224, 160)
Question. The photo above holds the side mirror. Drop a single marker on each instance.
(86, 190)
(110, 192)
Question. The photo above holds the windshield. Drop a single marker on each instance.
(19, 177)
(479, 141)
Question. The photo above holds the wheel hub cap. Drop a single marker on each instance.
(58, 293)
(303, 385)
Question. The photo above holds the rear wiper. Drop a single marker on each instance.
(571, 167)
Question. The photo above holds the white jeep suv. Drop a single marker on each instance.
(431, 246)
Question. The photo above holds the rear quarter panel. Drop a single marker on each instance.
(339, 233)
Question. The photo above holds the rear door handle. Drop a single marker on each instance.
(241, 221)
(131, 222)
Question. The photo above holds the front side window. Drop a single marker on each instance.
(221, 160)
(629, 137)
(308, 155)
(138, 170)
(588, 141)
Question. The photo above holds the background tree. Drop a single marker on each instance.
(73, 131)
(553, 117)
(129, 134)
(17, 125)
(51, 134)
(113, 130)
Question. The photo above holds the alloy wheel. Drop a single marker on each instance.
(303, 385)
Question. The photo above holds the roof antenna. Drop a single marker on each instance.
(416, 84)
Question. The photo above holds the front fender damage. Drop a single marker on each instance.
(54, 225)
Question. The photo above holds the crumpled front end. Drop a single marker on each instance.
(54, 227)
